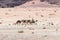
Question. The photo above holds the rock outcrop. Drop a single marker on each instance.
(11, 3)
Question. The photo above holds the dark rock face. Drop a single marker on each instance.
(42, 0)
(54, 1)
(11, 3)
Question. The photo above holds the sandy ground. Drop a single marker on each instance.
(47, 28)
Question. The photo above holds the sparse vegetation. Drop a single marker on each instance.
(42, 16)
(51, 23)
(33, 2)
(6, 13)
(30, 28)
(44, 27)
(0, 22)
(32, 32)
(21, 31)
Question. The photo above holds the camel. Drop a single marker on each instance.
(18, 22)
(31, 21)
(26, 21)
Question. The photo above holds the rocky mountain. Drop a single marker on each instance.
(11, 3)
(14, 3)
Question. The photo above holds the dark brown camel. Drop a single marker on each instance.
(18, 21)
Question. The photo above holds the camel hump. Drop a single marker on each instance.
(18, 21)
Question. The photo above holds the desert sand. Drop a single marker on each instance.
(47, 28)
